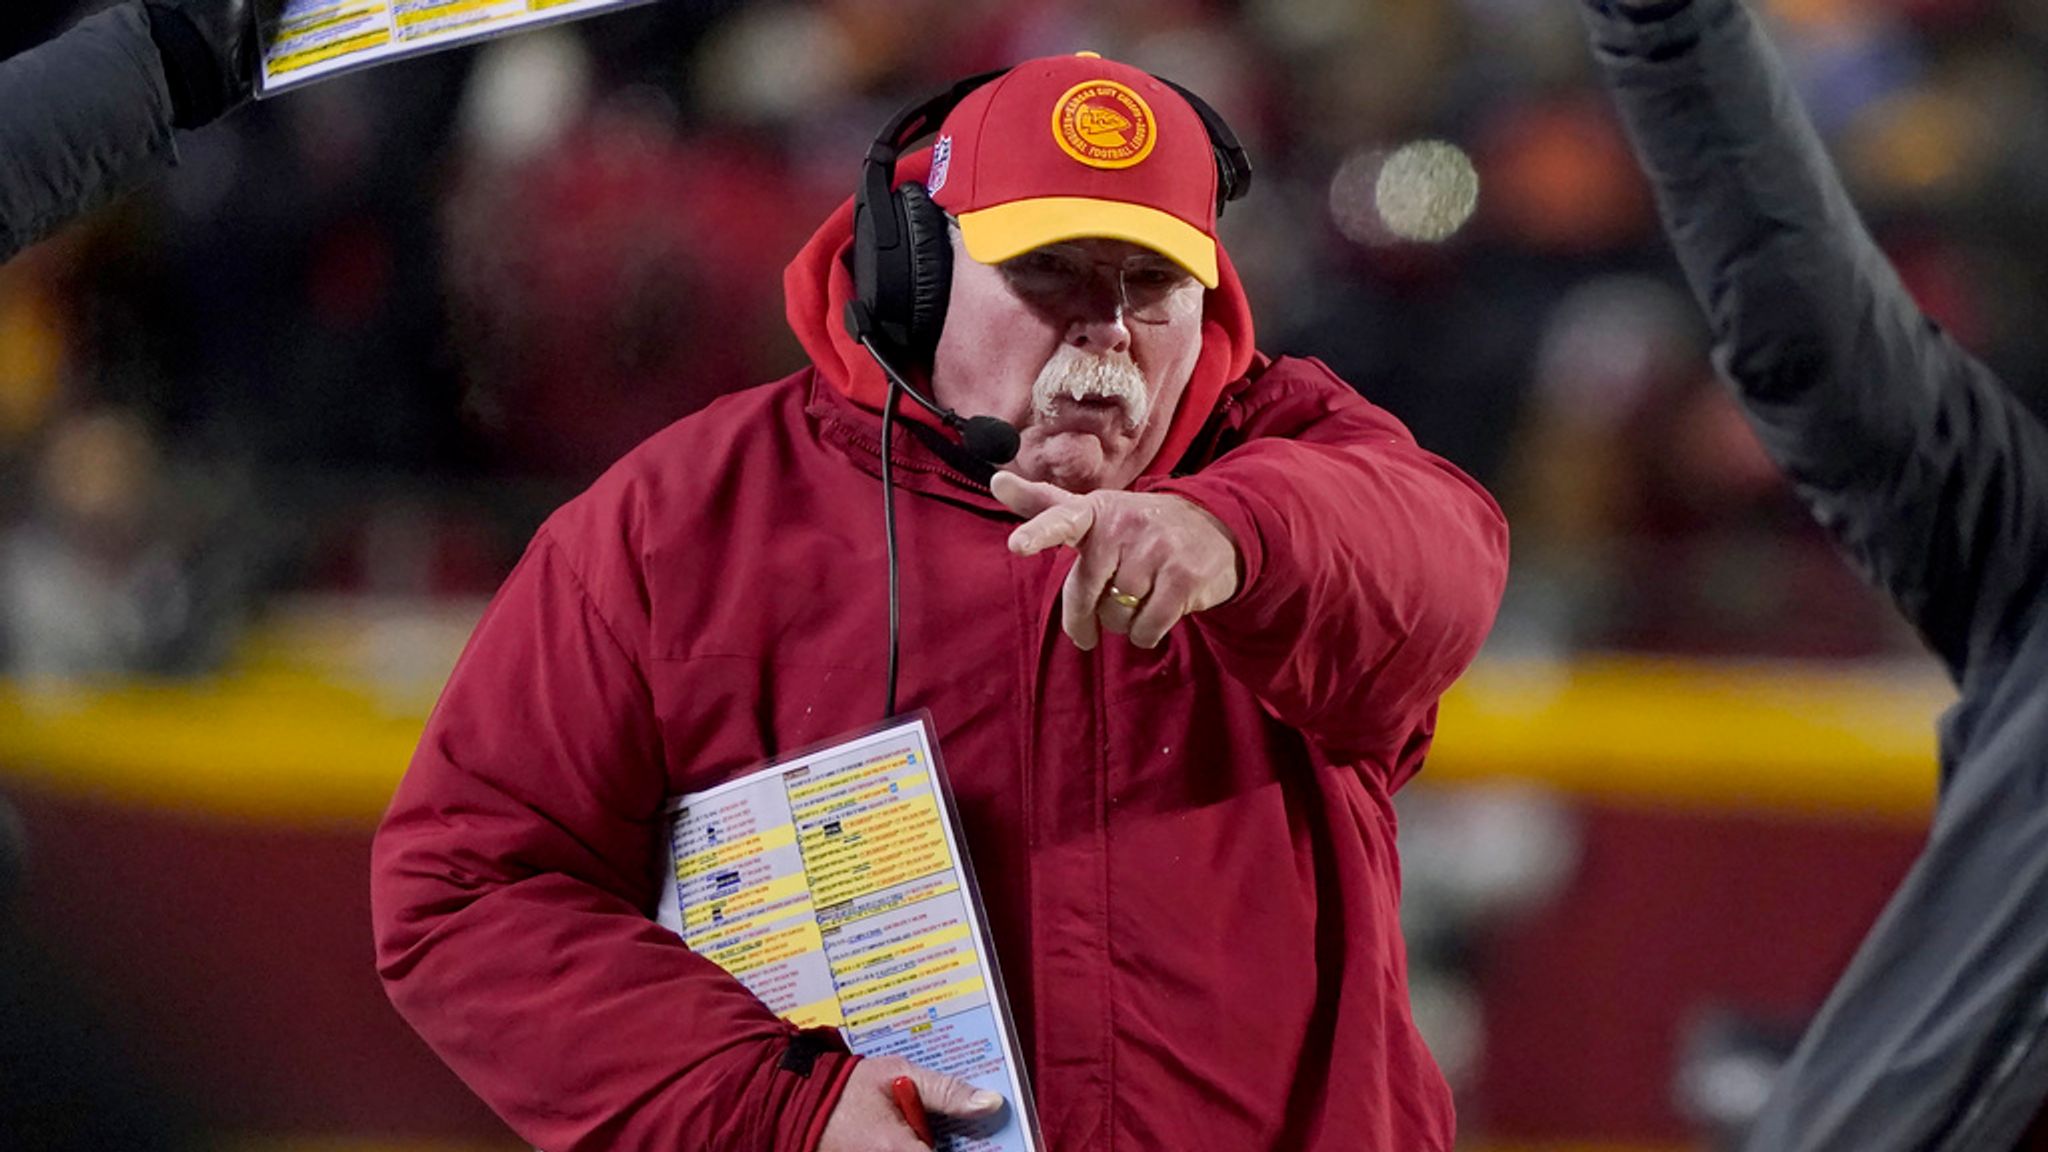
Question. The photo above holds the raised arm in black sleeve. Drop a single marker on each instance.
(90, 114)
(1935, 480)
(1907, 449)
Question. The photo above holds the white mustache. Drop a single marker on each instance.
(1077, 375)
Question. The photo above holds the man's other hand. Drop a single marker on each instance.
(866, 1118)
(1146, 559)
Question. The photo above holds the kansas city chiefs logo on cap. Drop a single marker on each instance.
(1104, 124)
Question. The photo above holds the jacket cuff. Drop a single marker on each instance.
(1638, 11)
(1654, 31)
(814, 1069)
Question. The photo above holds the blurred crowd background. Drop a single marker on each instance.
(365, 336)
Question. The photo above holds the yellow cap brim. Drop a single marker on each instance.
(996, 234)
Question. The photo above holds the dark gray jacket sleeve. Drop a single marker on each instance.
(1907, 449)
(82, 118)
(1935, 480)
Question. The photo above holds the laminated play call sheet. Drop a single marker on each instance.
(307, 39)
(833, 885)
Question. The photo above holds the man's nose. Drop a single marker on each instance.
(1098, 323)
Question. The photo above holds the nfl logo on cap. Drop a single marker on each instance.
(942, 159)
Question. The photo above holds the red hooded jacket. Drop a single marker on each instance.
(1187, 854)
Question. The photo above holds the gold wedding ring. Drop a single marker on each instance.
(1122, 597)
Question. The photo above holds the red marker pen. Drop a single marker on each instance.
(911, 1105)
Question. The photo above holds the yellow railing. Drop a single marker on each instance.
(1752, 736)
(279, 740)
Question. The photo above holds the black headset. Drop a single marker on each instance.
(902, 256)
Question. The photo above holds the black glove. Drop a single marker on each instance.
(209, 53)
(1640, 11)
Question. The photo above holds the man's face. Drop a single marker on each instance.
(1085, 346)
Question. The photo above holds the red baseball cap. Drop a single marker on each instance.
(1074, 147)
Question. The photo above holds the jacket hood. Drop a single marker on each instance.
(817, 285)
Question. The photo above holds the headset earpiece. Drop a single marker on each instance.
(902, 271)
(1233, 164)
(929, 278)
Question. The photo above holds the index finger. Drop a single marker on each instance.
(1027, 498)
(1053, 528)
